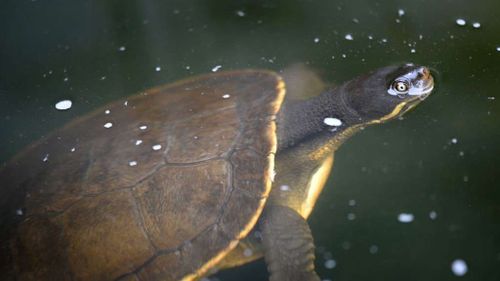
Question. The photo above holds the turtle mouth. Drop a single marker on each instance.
(420, 93)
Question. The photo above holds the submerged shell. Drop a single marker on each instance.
(88, 214)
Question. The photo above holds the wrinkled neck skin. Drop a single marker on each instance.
(302, 123)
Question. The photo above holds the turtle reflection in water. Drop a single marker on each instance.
(186, 176)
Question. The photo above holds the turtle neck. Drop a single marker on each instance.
(324, 120)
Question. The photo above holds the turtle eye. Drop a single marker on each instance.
(400, 86)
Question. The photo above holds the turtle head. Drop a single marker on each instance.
(388, 92)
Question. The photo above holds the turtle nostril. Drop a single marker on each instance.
(424, 72)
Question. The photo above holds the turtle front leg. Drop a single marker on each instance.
(288, 245)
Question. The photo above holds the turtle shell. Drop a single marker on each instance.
(156, 187)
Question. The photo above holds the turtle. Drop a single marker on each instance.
(186, 178)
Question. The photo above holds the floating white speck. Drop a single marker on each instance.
(316, 40)
(352, 202)
(107, 111)
(413, 51)
(373, 249)
(138, 142)
(103, 78)
(73, 149)
(330, 263)
(125, 103)
(405, 217)
(156, 147)
(226, 96)
(240, 13)
(64, 105)
(401, 12)
(351, 216)
(330, 121)
(45, 158)
(108, 125)
(66, 79)
(122, 49)
(349, 37)
(370, 37)
(491, 98)
(216, 68)
(284, 187)
(459, 267)
(476, 25)
(247, 252)
(433, 215)
(132, 163)
(158, 69)
(460, 22)
(454, 140)
(498, 49)
(143, 127)
(384, 40)
(19, 212)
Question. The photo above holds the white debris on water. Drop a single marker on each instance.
(73, 149)
(405, 217)
(316, 40)
(373, 249)
(156, 147)
(476, 25)
(413, 51)
(143, 127)
(433, 215)
(64, 105)
(284, 187)
(19, 212)
(240, 13)
(216, 68)
(158, 68)
(461, 22)
(108, 125)
(107, 111)
(330, 264)
(45, 158)
(454, 140)
(349, 37)
(401, 12)
(498, 49)
(138, 142)
(352, 202)
(132, 163)
(125, 103)
(459, 267)
(330, 121)
(226, 96)
(122, 49)
(351, 216)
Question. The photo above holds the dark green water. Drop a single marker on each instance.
(442, 158)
